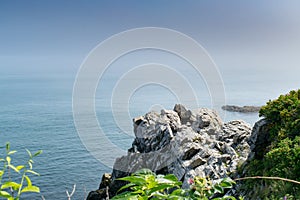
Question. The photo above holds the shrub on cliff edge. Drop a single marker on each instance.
(283, 115)
(282, 156)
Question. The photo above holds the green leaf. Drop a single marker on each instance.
(11, 152)
(31, 189)
(225, 198)
(126, 186)
(127, 196)
(218, 189)
(29, 153)
(134, 179)
(28, 181)
(160, 187)
(5, 194)
(138, 191)
(169, 180)
(8, 159)
(13, 168)
(171, 177)
(144, 172)
(32, 172)
(20, 167)
(37, 153)
(1, 172)
(178, 192)
(11, 184)
(30, 165)
(226, 184)
(7, 146)
(160, 195)
(229, 180)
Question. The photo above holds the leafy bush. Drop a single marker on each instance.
(283, 115)
(287, 158)
(282, 156)
(12, 190)
(145, 184)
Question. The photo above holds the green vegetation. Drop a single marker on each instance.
(282, 156)
(10, 189)
(144, 184)
(283, 115)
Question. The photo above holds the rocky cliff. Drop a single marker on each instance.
(185, 143)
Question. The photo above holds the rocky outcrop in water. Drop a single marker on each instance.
(243, 109)
(185, 143)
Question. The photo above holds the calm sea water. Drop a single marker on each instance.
(36, 113)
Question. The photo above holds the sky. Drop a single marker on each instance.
(52, 36)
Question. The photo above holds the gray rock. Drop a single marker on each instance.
(260, 139)
(257, 143)
(105, 181)
(186, 143)
(97, 195)
(195, 162)
(183, 113)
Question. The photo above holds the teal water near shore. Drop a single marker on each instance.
(36, 113)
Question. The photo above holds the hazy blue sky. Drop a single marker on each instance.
(55, 35)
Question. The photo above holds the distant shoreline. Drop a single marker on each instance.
(241, 109)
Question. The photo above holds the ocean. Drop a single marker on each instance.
(36, 113)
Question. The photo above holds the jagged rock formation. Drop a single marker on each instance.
(243, 109)
(185, 143)
(260, 139)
